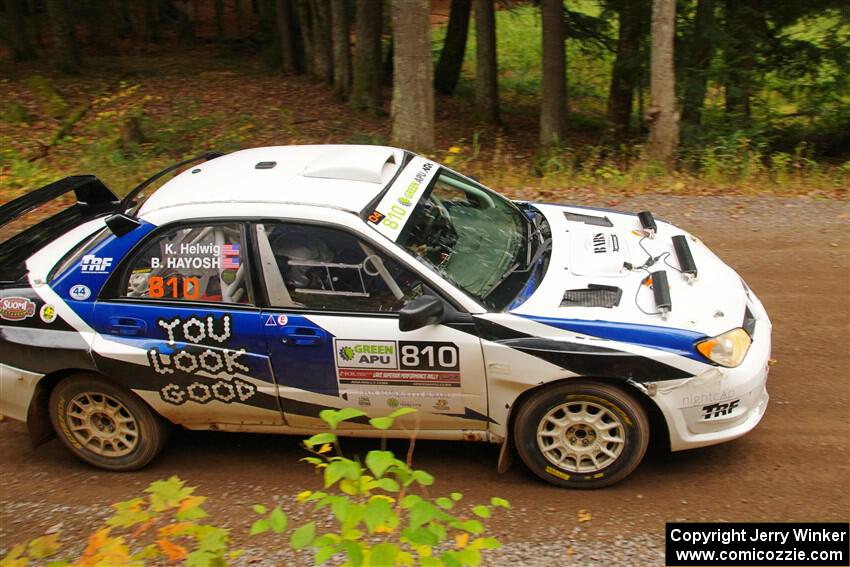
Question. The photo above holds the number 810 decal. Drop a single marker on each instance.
(420, 355)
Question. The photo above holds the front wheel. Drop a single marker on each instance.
(104, 424)
(581, 434)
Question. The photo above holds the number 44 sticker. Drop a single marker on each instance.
(79, 292)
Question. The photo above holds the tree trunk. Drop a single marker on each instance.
(626, 70)
(150, 17)
(366, 80)
(663, 119)
(553, 103)
(739, 56)
(486, 67)
(218, 6)
(387, 73)
(320, 12)
(341, 50)
(283, 16)
(413, 93)
(240, 19)
(700, 51)
(448, 68)
(16, 24)
(302, 11)
(65, 53)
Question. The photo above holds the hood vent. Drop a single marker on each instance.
(594, 296)
(588, 219)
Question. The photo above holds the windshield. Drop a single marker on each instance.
(470, 235)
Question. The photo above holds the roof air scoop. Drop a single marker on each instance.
(369, 164)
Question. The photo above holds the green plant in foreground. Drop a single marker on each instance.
(381, 519)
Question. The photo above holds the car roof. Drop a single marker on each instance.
(345, 177)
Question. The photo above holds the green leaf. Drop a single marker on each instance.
(421, 536)
(258, 527)
(277, 520)
(472, 526)
(456, 496)
(388, 484)
(450, 559)
(334, 417)
(354, 551)
(410, 500)
(485, 543)
(423, 478)
(421, 513)
(325, 553)
(383, 554)
(402, 411)
(381, 422)
(500, 502)
(303, 536)
(469, 556)
(481, 511)
(379, 461)
(444, 503)
(259, 509)
(430, 562)
(320, 439)
(376, 513)
(335, 471)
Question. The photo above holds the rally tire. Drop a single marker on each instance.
(581, 434)
(104, 424)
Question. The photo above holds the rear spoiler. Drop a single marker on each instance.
(16, 245)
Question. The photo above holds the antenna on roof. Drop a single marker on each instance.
(127, 201)
(121, 223)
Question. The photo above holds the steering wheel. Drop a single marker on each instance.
(440, 234)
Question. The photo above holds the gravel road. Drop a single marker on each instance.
(794, 467)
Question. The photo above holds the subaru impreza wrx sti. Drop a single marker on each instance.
(254, 289)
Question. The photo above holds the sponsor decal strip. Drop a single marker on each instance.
(397, 205)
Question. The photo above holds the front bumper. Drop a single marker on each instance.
(720, 404)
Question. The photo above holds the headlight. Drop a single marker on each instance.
(728, 349)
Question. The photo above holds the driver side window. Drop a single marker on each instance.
(324, 268)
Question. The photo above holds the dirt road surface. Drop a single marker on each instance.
(793, 467)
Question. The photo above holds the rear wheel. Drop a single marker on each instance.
(581, 434)
(104, 424)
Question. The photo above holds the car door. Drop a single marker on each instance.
(333, 334)
(181, 329)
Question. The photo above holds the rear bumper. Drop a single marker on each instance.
(16, 391)
(722, 403)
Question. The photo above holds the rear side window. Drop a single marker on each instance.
(75, 254)
(202, 263)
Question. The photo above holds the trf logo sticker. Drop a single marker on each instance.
(92, 264)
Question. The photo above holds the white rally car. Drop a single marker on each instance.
(257, 288)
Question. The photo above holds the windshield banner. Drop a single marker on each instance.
(397, 205)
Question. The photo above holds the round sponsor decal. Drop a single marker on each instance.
(47, 313)
(282, 320)
(79, 292)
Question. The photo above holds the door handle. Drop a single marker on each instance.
(127, 326)
(303, 336)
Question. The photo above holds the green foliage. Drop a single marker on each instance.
(381, 519)
(48, 98)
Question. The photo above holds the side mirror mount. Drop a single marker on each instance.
(422, 311)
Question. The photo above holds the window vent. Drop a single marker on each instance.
(594, 296)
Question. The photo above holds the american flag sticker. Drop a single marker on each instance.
(230, 257)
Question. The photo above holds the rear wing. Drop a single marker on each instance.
(19, 239)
